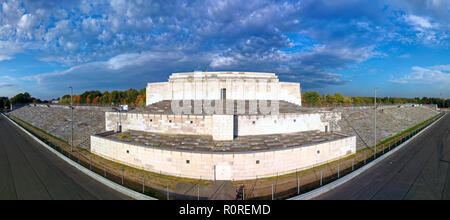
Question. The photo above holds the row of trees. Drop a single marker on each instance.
(23, 98)
(134, 97)
(314, 98)
(131, 97)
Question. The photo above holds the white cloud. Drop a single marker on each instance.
(222, 62)
(419, 22)
(438, 76)
(430, 33)
(26, 22)
(5, 57)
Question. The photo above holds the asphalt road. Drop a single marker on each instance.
(30, 171)
(420, 170)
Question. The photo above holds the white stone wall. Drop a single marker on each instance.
(156, 92)
(283, 123)
(238, 85)
(223, 127)
(223, 165)
(290, 92)
(167, 124)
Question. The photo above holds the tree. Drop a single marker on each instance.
(140, 101)
(331, 99)
(76, 99)
(96, 100)
(339, 98)
(4, 102)
(22, 98)
(347, 100)
(311, 97)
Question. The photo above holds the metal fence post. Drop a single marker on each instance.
(143, 184)
(90, 163)
(168, 192)
(198, 191)
(321, 178)
(353, 164)
(298, 185)
(243, 193)
(338, 169)
(272, 191)
(364, 157)
(122, 174)
(105, 169)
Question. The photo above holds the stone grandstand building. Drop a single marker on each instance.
(223, 85)
(223, 126)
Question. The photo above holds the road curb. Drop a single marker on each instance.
(319, 191)
(110, 184)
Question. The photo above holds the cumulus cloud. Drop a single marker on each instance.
(438, 75)
(303, 41)
(419, 22)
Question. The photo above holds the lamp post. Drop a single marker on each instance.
(375, 111)
(71, 108)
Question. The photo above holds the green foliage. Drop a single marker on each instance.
(129, 97)
(24, 98)
(339, 98)
(314, 98)
(311, 97)
(4, 102)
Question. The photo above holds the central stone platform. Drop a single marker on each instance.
(244, 143)
(243, 158)
(161, 118)
(223, 126)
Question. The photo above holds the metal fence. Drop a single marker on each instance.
(285, 186)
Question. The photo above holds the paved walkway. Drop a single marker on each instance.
(421, 170)
(29, 171)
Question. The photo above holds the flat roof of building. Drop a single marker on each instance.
(223, 74)
(239, 144)
(165, 107)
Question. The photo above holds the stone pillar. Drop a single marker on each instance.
(223, 127)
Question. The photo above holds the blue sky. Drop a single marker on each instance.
(345, 46)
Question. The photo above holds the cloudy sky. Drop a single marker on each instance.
(346, 46)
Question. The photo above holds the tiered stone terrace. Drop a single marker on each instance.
(244, 143)
(164, 107)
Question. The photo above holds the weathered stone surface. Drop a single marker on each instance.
(57, 121)
(223, 85)
(225, 160)
(391, 120)
(238, 144)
